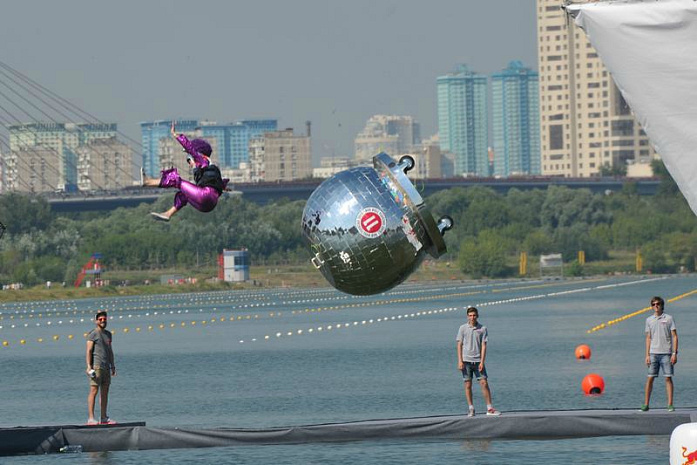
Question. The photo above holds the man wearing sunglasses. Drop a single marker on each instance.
(661, 350)
(100, 369)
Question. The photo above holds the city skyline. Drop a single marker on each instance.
(332, 64)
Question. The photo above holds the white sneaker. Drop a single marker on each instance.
(492, 412)
(160, 216)
(92, 422)
(470, 412)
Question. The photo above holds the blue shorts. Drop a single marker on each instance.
(662, 360)
(472, 368)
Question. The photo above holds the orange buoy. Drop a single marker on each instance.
(583, 352)
(593, 384)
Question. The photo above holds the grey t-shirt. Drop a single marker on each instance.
(472, 338)
(101, 351)
(660, 328)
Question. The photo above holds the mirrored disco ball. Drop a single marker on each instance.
(368, 228)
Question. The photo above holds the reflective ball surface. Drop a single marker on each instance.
(368, 228)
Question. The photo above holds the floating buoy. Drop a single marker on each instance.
(583, 352)
(593, 384)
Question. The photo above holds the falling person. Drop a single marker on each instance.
(209, 186)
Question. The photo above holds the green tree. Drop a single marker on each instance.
(654, 255)
(667, 187)
(608, 170)
(485, 256)
(538, 242)
(682, 249)
(564, 207)
(23, 213)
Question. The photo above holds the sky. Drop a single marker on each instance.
(334, 63)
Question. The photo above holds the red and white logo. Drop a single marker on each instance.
(370, 222)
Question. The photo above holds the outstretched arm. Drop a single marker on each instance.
(188, 148)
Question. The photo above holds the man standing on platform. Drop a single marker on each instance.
(471, 352)
(661, 350)
(100, 369)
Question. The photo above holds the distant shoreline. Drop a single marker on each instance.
(265, 277)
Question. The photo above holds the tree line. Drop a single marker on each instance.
(490, 231)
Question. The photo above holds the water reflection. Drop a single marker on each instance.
(476, 445)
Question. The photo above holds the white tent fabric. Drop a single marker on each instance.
(650, 48)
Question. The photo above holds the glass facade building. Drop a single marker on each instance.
(151, 134)
(231, 140)
(463, 123)
(515, 120)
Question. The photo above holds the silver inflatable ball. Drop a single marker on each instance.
(368, 228)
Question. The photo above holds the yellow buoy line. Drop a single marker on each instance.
(189, 299)
(614, 321)
(275, 314)
(229, 306)
(391, 318)
(13, 325)
(232, 318)
(238, 303)
(41, 309)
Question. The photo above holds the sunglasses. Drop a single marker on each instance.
(101, 319)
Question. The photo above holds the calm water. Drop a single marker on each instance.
(277, 358)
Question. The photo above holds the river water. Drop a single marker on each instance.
(295, 357)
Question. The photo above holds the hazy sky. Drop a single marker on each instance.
(335, 63)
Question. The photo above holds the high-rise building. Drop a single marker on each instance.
(515, 120)
(231, 140)
(585, 123)
(51, 150)
(152, 132)
(329, 166)
(240, 137)
(429, 159)
(104, 164)
(170, 154)
(280, 156)
(463, 124)
(394, 135)
(36, 169)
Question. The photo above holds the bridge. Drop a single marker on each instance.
(263, 193)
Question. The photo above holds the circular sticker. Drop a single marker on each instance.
(370, 222)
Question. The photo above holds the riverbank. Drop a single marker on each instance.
(149, 282)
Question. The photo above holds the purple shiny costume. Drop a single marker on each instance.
(203, 199)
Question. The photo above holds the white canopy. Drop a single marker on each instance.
(650, 47)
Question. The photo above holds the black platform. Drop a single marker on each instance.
(510, 425)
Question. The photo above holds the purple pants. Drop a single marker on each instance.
(203, 199)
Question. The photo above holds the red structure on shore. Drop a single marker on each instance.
(92, 267)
